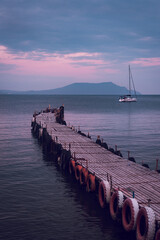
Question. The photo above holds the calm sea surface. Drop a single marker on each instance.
(37, 200)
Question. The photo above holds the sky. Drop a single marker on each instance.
(46, 44)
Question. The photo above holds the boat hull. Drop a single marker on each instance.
(128, 99)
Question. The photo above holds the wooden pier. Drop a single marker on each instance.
(131, 190)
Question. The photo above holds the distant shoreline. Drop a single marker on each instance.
(104, 88)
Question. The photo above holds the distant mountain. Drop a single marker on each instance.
(105, 88)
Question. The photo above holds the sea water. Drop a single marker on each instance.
(38, 201)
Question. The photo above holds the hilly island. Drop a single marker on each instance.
(104, 88)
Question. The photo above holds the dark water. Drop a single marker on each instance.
(37, 200)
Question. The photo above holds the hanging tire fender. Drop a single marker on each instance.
(83, 176)
(129, 214)
(91, 183)
(116, 203)
(104, 193)
(120, 199)
(78, 169)
(146, 224)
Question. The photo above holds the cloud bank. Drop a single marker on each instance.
(61, 42)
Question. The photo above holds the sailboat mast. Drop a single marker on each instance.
(129, 80)
(133, 84)
(129, 97)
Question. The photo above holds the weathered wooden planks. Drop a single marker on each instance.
(126, 175)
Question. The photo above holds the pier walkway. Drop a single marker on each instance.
(132, 179)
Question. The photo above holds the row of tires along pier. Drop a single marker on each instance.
(122, 208)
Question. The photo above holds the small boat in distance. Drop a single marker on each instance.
(129, 97)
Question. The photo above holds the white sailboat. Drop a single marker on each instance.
(129, 97)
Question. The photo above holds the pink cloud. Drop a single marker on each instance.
(53, 64)
(81, 54)
(147, 62)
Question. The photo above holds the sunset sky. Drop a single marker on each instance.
(46, 44)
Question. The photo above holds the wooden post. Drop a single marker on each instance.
(128, 154)
(115, 148)
(157, 160)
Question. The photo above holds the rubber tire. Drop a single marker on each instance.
(146, 219)
(129, 214)
(104, 193)
(83, 176)
(116, 203)
(91, 183)
(78, 169)
(120, 199)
